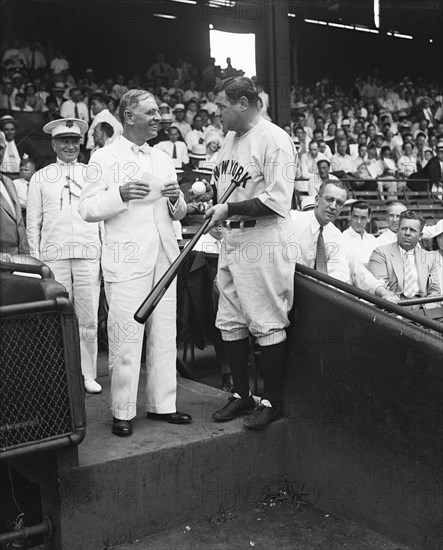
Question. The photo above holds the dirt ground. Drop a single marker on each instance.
(267, 526)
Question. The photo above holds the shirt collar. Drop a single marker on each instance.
(412, 252)
(62, 163)
(315, 226)
(354, 233)
(133, 146)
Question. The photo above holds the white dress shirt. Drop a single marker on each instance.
(306, 232)
(309, 164)
(11, 160)
(67, 110)
(181, 151)
(387, 237)
(359, 246)
(343, 163)
(22, 187)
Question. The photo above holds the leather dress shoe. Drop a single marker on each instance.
(91, 386)
(234, 407)
(121, 428)
(261, 416)
(171, 418)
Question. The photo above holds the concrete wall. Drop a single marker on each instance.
(364, 407)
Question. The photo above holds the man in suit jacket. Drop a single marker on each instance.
(133, 188)
(432, 171)
(404, 266)
(12, 229)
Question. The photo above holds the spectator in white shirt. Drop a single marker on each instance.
(359, 243)
(174, 148)
(180, 122)
(197, 135)
(99, 108)
(407, 163)
(393, 218)
(59, 64)
(342, 164)
(309, 161)
(75, 106)
(27, 170)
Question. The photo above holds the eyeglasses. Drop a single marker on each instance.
(331, 200)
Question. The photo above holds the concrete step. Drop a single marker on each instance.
(164, 474)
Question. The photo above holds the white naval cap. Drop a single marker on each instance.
(66, 127)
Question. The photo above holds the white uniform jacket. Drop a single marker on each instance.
(132, 230)
(54, 227)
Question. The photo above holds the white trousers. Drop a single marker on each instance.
(125, 338)
(81, 278)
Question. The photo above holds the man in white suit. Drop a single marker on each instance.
(134, 189)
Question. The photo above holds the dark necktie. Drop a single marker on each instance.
(174, 152)
(321, 261)
(76, 111)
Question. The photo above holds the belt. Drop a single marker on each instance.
(241, 224)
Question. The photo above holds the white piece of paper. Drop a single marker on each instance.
(374, 169)
(156, 185)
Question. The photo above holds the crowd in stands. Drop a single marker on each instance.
(379, 135)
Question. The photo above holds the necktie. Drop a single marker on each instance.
(321, 260)
(174, 151)
(75, 110)
(409, 284)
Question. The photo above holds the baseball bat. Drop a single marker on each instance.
(157, 293)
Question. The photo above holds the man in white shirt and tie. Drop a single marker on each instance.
(319, 244)
(174, 148)
(75, 107)
(10, 165)
(133, 188)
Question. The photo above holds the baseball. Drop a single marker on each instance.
(198, 187)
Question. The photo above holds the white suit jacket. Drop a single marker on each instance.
(132, 230)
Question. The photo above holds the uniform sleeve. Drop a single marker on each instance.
(279, 174)
(34, 217)
(99, 200)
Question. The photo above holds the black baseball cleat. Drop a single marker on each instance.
(234, 407)
(261, 416)
(121, 428)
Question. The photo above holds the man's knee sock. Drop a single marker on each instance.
(273, 362)
(238, 353)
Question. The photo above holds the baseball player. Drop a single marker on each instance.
(255, 271)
